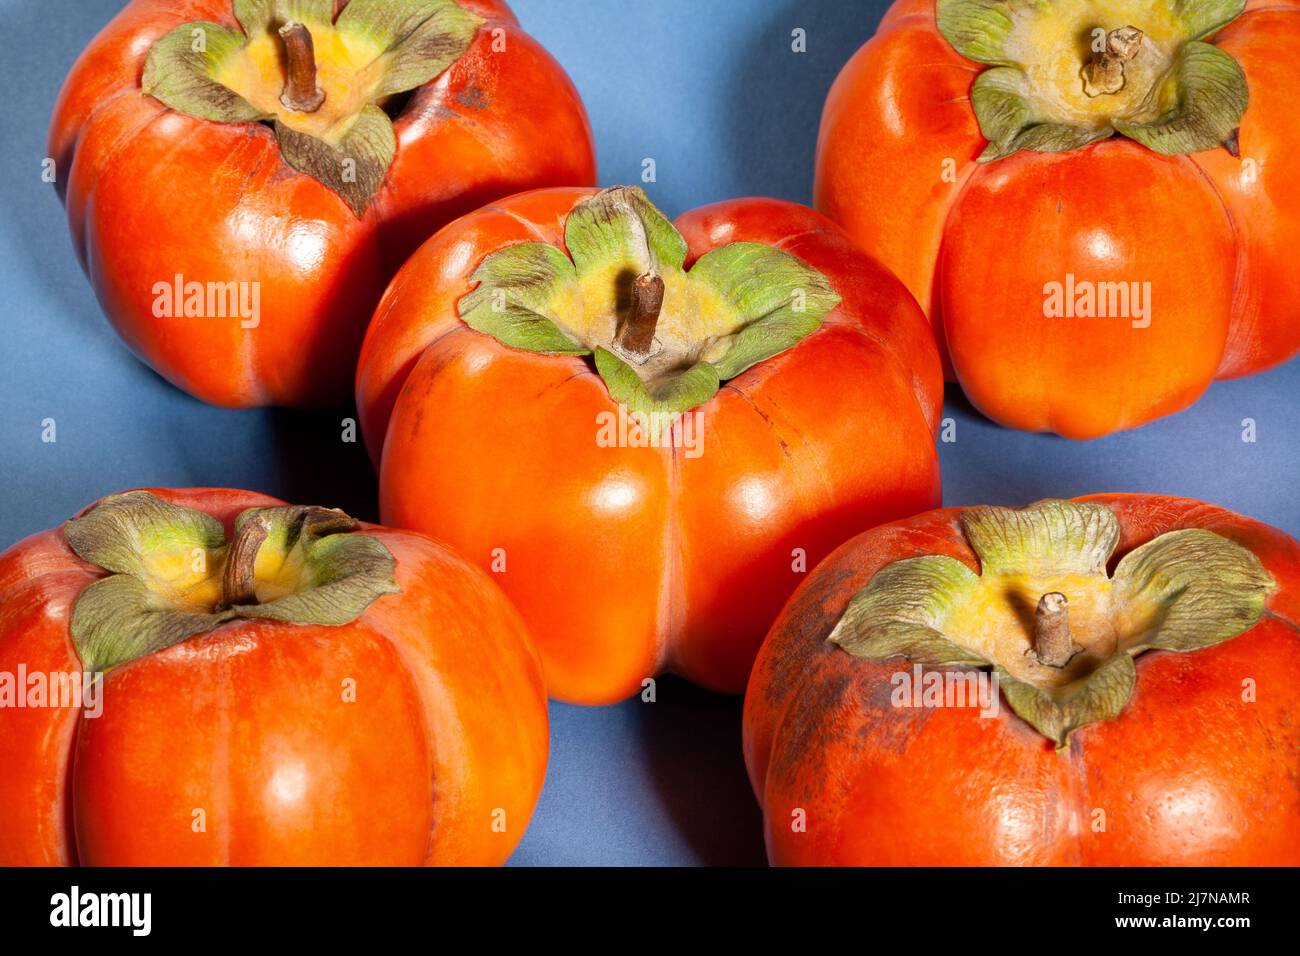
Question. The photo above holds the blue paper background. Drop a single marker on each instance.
(709, 89)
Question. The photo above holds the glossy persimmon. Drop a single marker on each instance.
(243, 177)
(648, 432)
(1096, 203)
(211, 677)
(1104, 682)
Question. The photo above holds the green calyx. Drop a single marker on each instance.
(321, 81)
(664, 339)
(1043, 614)
(173, 576)
(1066, 73)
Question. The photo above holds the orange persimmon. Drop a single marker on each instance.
(648, 458)
(1095, 202)
(1108, 681)
(211, 677)
(243, 177)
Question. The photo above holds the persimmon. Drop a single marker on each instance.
(1096, 203)
(212, 677)
(243, 177)
(1107, 681)
(647, 431)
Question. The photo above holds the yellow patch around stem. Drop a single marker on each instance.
(185, 579)
(277, 571)
(997, 622)
(348, 70)
(1053, 42)
(693, 325)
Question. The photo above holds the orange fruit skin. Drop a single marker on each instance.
(1191, 772)
(238, 747)
(152, 193)
(977, 244)
(630, 561)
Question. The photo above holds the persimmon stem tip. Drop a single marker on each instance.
(1053, 643)
(638, 332)
(1104, 72)
(301, 94)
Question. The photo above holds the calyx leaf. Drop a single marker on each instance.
(779, 299)
(179, 72)
(394, 46)
(355, 169)
(422, 37)
(1101, 697)
(167, 566)
(1212, 99)
(255, 15)
(620, 230)
(1182, 591)
(902, 610)
(342, 572)
(977, 29)
(118, 619)
(1007, 119)
(532, 296)
(1048, 537)
(121, 531)
(1206, 86)
(1209, 592)
(1204, 17)
(519, 294)
(685, 390)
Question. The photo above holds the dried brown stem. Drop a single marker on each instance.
(1104, 73)
(301, 93)
(238, 581)
(647, 300)
(1053, 643)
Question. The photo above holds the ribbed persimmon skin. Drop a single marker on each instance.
(1263, 202)
(976, 244)
(1084, 377)
(629, 561)
(1194, 771)
(153, 193)
(415, 735)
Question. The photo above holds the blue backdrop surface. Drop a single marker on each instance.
(713, 93)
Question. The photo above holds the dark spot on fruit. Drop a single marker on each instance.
(472, 97)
